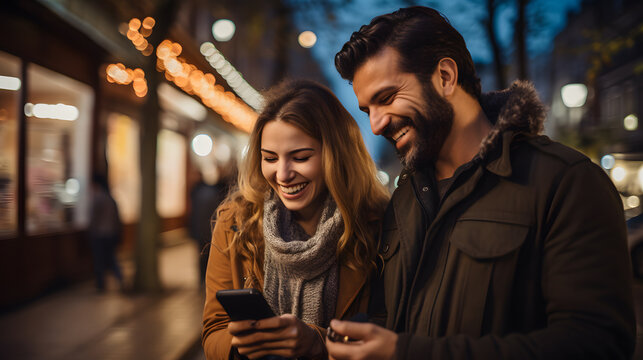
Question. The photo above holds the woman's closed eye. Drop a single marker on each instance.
(301, 159)
(270, 159)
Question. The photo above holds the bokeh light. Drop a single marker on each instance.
(633, 201)
(619, 173)
(383, 177)
(202, 144)
(631, 122)
(307, 39)
(574, 95)
(223, 30)
(608, 161)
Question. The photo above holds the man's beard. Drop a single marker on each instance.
(432, 127)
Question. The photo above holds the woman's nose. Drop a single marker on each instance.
(285, 172)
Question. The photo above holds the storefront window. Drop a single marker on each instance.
(171, 168)
(123, 165)
(59, 112)
(10, 85)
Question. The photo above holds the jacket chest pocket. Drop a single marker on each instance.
(480, 269)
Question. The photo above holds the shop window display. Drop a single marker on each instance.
(58, 111)
(10, 87)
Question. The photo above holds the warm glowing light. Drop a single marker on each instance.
(119, 74)
(9, 83)
(176, 49)
(134, 24)
(223, 30)
(202, 145)
(307, 39)
(49, 111)
(631, 122)
(641, 177)
(148, 22)
(148, 50)
(123, 28)
(633, 201)
(608, 162)
(194, 82)
(619, 173)
(574, 95)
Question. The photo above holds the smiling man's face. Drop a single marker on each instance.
(411, 115)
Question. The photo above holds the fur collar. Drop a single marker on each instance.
(517, 109)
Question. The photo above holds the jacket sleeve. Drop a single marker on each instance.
(586, 284)
(216, 339)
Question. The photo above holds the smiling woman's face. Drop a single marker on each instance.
(291, 162)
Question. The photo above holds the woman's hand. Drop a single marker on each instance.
(283, 335)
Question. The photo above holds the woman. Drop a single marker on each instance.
(300, 227)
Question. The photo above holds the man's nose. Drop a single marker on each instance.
(379, 121)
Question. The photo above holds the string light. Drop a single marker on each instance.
(195, 82)
(187, 77)
(118, 73)
(138, 31)
(232, 76)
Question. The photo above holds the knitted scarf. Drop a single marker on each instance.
(301, 272)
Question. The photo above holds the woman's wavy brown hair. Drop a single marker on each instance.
(349, 172)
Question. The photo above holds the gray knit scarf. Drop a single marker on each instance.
(301, 272)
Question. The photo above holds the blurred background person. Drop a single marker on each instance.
(205, 199)
(105, 229)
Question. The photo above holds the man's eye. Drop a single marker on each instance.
(387, 99)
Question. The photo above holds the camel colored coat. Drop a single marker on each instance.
(228, 270)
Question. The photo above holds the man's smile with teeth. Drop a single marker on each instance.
(293, 189)
(401, 133)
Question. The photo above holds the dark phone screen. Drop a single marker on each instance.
(244, 304)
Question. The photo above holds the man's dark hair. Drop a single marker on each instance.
(421, 35)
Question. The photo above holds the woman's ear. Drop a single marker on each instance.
(446, 74)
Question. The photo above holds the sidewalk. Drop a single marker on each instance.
(79, 323)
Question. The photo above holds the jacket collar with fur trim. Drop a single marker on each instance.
(513, 112)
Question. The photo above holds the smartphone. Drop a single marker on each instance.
(244, 304)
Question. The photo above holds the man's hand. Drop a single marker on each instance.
(371, 341)
(283, 335)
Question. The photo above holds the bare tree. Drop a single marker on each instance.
(520, 36)
(490, 27)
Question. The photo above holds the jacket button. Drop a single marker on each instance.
(385, 249)
(404, 177)
(425, 189)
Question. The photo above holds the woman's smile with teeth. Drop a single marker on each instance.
(293, 189)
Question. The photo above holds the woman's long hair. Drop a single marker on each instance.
(349, 172)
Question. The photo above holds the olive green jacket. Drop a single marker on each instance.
(526, 257)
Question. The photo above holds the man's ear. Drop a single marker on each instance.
(447, 76)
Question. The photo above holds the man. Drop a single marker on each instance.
(498, 243)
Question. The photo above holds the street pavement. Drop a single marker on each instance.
(80, 323)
